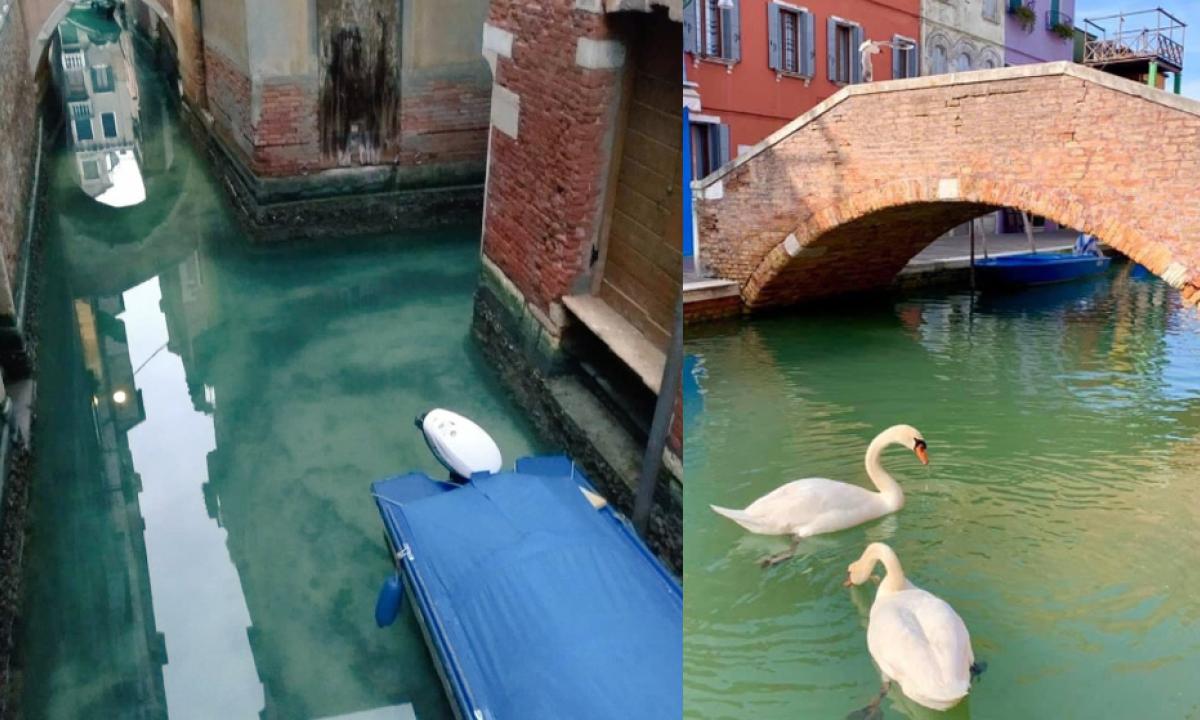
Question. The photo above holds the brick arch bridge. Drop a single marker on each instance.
(841, 198)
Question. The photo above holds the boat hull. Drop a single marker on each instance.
(1038, 269)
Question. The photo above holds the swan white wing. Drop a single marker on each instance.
(920, 642)
(817, 505)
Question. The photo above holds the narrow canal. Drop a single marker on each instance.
(1057, 514)
(209, 418)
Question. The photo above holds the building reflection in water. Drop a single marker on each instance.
(198, 599)
(93, 66)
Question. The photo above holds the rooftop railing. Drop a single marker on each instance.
(1150, 35)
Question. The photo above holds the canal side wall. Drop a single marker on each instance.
(20, 209)
(19, 129)
(339, 116)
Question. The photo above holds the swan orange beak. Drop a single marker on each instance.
(847, 583)
(922, 453)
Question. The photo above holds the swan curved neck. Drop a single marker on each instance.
(894, 580)
(887, 485)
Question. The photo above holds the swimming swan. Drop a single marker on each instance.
(812, 506)
(914, 636)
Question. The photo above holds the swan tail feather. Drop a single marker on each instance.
(745, 519)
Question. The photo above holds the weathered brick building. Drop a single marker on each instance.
(18, 128)
(582, 223)
(309, 104)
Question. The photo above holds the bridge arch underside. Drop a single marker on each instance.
(861, 255)
(861, 243)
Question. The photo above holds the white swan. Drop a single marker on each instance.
(803, 508)
(914, 636)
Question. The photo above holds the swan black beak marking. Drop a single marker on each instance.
(920, 448)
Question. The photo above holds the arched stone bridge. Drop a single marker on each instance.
(841, 198)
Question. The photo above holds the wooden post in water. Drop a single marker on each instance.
(973, 253)
(661, 425)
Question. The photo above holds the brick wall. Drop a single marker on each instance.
(712, 309)
(545, 186)
(18, 107)
(285, 137)
(228, 92)
(851, 194)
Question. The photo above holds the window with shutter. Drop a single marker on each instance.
(719, 30)
(102, 78)
(904, 57)
(713, 30)
(844, 63)
(83, 129)
(789, 26)
(791, 40)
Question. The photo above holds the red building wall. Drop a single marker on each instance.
(754, 100)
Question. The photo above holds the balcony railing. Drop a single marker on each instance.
(1054, 18)
(1149, 35)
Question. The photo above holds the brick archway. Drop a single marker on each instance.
(862, 241)
(840, 199)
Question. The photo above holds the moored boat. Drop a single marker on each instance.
(536, 598)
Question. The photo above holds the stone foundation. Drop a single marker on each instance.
(568, 416)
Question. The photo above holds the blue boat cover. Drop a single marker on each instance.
(539, 607)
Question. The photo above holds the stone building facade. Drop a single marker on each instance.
(961, 35)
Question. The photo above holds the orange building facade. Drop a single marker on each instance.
(757, 64)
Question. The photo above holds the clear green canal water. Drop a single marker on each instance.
(209, 418)
(1059, 514)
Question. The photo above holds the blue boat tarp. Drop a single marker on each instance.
(1039, 268)
(537, 605)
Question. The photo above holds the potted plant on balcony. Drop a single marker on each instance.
(1025, 15)
(1063, 30)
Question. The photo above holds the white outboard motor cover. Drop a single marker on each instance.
(459, 444)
